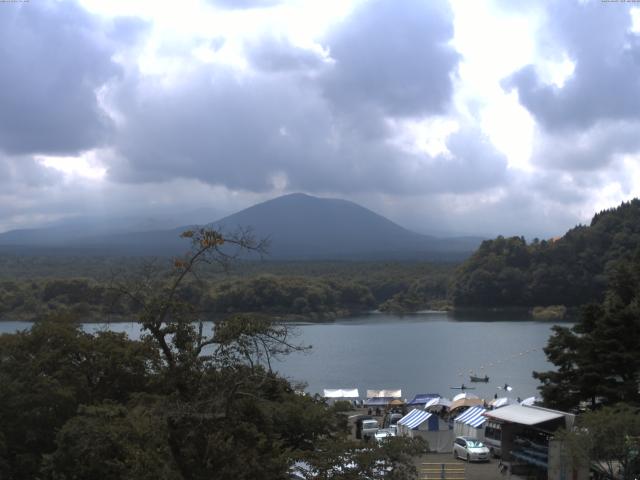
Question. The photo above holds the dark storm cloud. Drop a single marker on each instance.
(275, 54)
(393, 56)
(53, 59)
(247, 133)
(604, 86)
(325, 131)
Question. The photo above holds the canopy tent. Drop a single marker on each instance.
(464, 395)
(470, 422)
(440, 402)
(473, 417)
(501, 402)
(418, 423)
(414, 418)
(378, 401)
(384, 393)
(529, 401)
(422, 398)
(465, 402)
(349, 393)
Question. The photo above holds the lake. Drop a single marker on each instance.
(418, 353)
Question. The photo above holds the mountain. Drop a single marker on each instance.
(302, 226)
(298, 226)
(570, 270)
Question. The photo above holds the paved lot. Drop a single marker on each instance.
(472, 471)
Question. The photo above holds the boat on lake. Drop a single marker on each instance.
(484, 379)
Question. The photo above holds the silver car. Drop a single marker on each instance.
(470, 449)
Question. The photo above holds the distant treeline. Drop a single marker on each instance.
(310, 290)
(571, 270)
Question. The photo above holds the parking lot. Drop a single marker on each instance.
(472, 471)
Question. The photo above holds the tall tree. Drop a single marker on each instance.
(598, 359)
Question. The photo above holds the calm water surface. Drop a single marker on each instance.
(420, 353)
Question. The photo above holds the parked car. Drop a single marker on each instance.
(369, 428)
(366, 426)
(384, 433)
(391, 419)
(470, 449)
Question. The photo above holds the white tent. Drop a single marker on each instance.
(501, 402)
(384, 393)
(419, 423)
(470, 423)
(529, 401)
(437, 403)
(349, 393)
(464, 395)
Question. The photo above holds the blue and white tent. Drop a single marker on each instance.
(414, 419)
(422, 398)
(420, 423)
(471, 423)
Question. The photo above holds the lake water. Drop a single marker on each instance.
(419, 353)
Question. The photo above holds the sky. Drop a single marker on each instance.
(487, 117)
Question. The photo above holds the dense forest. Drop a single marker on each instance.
(571, 270)
(314, 290)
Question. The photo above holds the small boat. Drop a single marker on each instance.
(484, 379)
(462, 387)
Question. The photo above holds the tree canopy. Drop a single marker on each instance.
(181, 403)
(598, 359)
(570, 270)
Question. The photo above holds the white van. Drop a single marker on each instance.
(369, 428)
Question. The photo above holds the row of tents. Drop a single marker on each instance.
(436, 419)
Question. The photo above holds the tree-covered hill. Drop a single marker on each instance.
(571, 270)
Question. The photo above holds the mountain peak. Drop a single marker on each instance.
(298, 226)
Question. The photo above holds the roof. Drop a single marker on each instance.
(414, 418)
(464, 395)
(422, 398)
(384, 393)
(445, 402)
(465, 402)
(525, 415)
(474, 417)
(341, 393)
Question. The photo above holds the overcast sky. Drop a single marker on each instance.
(476, 117)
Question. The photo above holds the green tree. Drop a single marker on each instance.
(598, 359)
(47, 372)
(608, 440)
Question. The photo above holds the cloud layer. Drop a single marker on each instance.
(249, 109)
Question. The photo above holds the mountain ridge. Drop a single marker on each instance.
(299, 226)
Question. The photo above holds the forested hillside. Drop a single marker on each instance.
(314, 290)
(571, 270)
